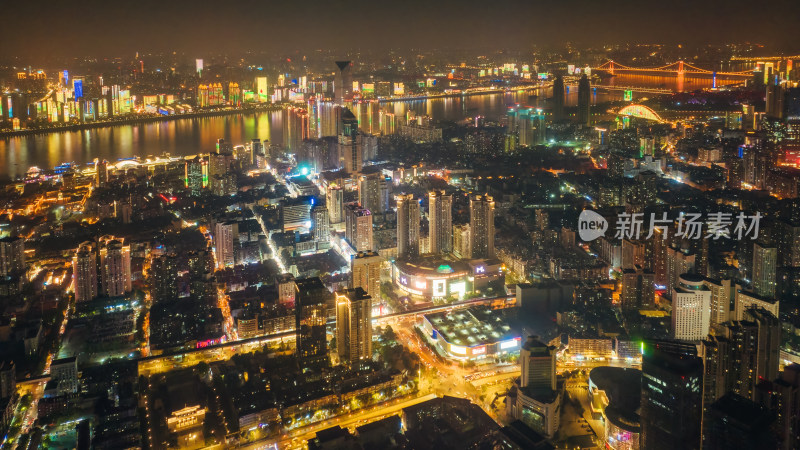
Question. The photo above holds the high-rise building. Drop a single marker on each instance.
(408, 218)
(765, 260)
(64, 372)
(343, 82)
(311, 300)
(533, 399)
(558, 99)
(638, 289)
(320, 225)
(349, 145)
(440, 221)
(754, 351)
(358, 227)
(787, 388)
(196, 175)
(365, 269)
(373, 192)
(481, 226)
(461, 241)
(100, 172)
(678, 262)
(84, 273)
(335, 204)
(115, 267)
(721, 295)
(691, 308)
(261, 89)
(584, 101)
(257, 153)
(163, 275)
(737, 423)
(226, 241)
(353, 325)
(12, 255)
(538, 363)
(672, 395)
(775, 100)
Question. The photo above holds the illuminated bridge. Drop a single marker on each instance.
(677, 68)
(641, 112)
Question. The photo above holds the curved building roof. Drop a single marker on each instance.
(623, 387)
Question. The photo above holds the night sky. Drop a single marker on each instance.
(42, 29)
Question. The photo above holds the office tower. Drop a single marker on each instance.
(163, 275)
(558, 99)
(335, 204)
(353, 326)
(8, 379)
(765, 260)
(638, 289)
(358, 227)
(775, 100)
(737, 423)
(196, 175)
(100, 172)
(343, 82)
(373, 192)
(481, 226)
(440, 222)
(226, 241)
(671, 406)
(678, 262)
(461, 241)
(84, 273)
(715, 352)
(286, 289)
(691, 308)
(257, 153)
(296, 212)
(754, 351)
(584, 101)
(12, 255)
(261, 89)
(538, 364)
(721, 295)
(349, 145)
(365, 269)
(408, 218)
(311, 299)
(64, 372)
(115, 268)
(320, 224)
(533, 398)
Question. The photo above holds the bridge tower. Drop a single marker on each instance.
(680, 67)
(611, 70)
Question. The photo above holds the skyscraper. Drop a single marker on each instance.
(754, 351)
(671, 407)
(101, 172)
(349, 146)
(440, 221)
(638, 289)
(584, 101)
(311, 301)
(373, 192)
(558, 99)
(765, 260)
(115, 267)
(320, 225)
(365, 269)
(12, 255)
(335, 204)
(163, 274)
(343, 82)
(691, 308)
(538, 363)
(226, 241)
(481, 226)
(196, 175)
(408, 217)
(353, 325)
(358, 227)
(84, 273)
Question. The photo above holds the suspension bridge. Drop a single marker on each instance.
(680, 68)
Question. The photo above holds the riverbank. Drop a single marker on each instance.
(138, 120)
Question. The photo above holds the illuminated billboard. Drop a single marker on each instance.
(458, 350)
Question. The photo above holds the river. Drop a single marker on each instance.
(199, 134)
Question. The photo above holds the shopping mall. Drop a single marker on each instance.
(470, 334)
(433, 278)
